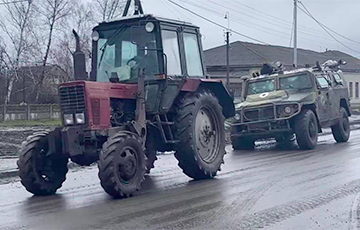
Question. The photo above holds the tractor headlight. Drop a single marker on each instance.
(149, 27)
(237, 117)
(80, 118)
(288, 110)
(95, 36)
(68, 119)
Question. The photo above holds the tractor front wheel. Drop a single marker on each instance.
(200, 130)
(41, 172)
(122, 165)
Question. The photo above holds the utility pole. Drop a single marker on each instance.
(295, 34)
(228, 52)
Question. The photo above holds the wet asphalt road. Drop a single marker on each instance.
(271, 187)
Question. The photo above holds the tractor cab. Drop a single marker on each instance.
(160, 47)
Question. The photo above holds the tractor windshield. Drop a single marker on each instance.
(123, 51)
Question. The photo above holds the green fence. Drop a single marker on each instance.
(29, 112)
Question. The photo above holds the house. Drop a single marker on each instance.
(246, 58)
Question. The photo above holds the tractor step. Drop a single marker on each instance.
(163, 125)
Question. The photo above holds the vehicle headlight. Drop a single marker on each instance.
(68, 119)
(80, 118)
(237, 117)
(288, 110)
(149, 27)
(95, 36)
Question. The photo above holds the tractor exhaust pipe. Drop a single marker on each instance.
(79, 60)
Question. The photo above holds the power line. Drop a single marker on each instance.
(215, 23)
(251, 25)
(7, 3)
(307, 12)
(265, 21)
(280, 19)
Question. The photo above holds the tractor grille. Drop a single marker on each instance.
(72, 99)
(262, 114)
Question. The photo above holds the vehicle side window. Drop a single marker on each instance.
(171, 50)
(192, 54)
(338, 78)
(322, 82)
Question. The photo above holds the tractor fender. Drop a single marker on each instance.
(217, 87)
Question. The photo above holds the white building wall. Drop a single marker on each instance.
(353, 81)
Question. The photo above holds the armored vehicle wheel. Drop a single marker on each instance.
(41, 173)
(239, 143)
(341, 131)
(306, 129)
(122, 165)
(200, 129)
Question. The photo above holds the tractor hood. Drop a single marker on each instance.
(277, 97)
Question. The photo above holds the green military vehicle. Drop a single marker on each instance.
(287, 104)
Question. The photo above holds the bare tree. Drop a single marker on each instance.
(82, 20)
(109, 9)
(15, 24)
(52, 11)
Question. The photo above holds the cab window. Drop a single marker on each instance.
(192, 54)
(322, 82)
(338, 78)
(171, 50)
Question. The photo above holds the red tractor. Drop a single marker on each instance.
(147, 92)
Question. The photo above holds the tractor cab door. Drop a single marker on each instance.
(181, 58)
(325, 98)
(164, 88)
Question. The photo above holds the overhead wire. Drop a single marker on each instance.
(217, 24)
(251, 25)
(263, 20)
(310, 15)
(274, 17)
(307, 12)
(12, 2)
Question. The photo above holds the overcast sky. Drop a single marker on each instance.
(246, 17)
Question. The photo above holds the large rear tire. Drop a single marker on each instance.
(151, 150)
(122, 165)
(341, 131)
(41, 173)
(200, 129)
(306, 129)
(241, 143)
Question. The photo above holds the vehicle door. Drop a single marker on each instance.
(340, 88)
(324, 98)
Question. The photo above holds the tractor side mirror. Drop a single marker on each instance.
(79, 60)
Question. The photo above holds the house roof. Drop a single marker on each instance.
(244, 54)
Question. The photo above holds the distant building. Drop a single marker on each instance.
(246, 58)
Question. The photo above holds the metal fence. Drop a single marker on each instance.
(29, 112)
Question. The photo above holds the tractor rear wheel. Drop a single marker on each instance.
(200, 130)
(151, 150)
(122, 165)
(41, 172)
